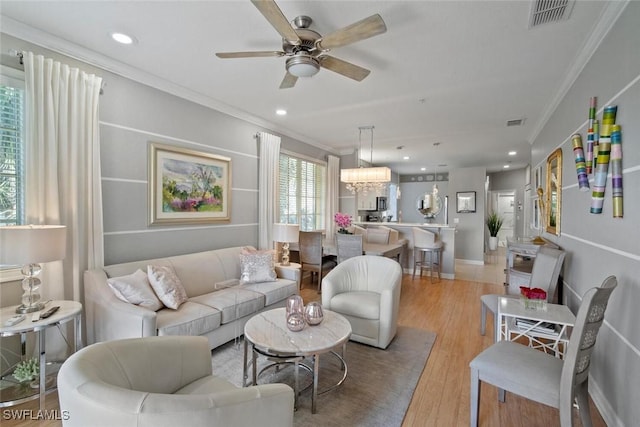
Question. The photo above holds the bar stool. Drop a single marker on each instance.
(424, 241)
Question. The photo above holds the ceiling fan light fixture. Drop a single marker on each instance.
(303, 65)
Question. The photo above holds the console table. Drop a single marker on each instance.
(525, 247)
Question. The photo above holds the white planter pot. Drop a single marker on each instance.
(493, 243)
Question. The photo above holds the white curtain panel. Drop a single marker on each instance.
(333, 191)
(267, 187)
(63, 167)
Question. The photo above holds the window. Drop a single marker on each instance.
(301, 193)
(11, 149)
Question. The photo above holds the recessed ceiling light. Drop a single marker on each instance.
(506, 166)
(512, 153)
(406, 157)
(122, 38)
(423, 169)
(281, 112)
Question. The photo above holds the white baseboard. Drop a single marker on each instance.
(599, 399)
(442, 275)
(469, 261)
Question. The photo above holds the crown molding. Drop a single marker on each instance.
(64, 47)
(608, 18)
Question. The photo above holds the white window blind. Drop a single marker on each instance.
(11, 154)
(301, 193)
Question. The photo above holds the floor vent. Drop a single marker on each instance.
(546, 11)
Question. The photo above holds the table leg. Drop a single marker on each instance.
(244, 363)
(78, 329)
(254, 363)
(43, 368)
(296, 389)
(314, 395)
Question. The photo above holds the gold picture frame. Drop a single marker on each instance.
(188, 186)
(553, 194)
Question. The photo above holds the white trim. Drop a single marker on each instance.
(163, 230)
(602, 403)
(64, 47)
(131, 181)
(11, 77)
(603, 247)
(469, 261)
(609, 16)
(347, 197)
(304, 157)
(186, 141)
(624, 171)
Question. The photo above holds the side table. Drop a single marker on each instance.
(69, 310)
(292, 266)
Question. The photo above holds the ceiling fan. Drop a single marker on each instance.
(306, 50)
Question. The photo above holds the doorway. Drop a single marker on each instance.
(503, 203)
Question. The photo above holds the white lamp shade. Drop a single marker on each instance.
(376, 174)
(28, 244)
(285, 232)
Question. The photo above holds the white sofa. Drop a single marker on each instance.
(162, 381)
(216, 308)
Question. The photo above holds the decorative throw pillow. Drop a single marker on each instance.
(166, 285)
(135, 289)
(256, 266)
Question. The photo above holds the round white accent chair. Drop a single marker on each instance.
(162, 381)
(366, 290)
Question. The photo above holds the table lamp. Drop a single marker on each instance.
(285, 234)
(30, 245)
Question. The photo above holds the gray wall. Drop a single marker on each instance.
(470, 226)
(599, 245)
(410, 191)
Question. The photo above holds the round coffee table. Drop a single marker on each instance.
(268, 335)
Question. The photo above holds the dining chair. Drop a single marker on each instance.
(544, 275)
(378, 235)
(539, 376)
(311, 258)
(348, 246)
(426, 242)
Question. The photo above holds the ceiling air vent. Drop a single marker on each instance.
(545, 11)
(516, 122)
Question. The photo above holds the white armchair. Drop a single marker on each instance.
(366, 291)
(162, 381)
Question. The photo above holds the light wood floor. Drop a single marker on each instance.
(451, 309)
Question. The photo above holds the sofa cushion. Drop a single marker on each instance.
(189, 319)
(135, 289)
(275, 291)
(257, 266)
(167, 285)
(363, 304)
(233, 303)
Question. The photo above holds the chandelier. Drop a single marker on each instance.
(363, 179)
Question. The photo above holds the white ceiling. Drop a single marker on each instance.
(448, 72)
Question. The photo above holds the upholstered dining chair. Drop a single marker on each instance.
(311, 258)
(544, 275)
(162, 381)
(366, 291)
(539, 376)
(378, 235)
(348, 246)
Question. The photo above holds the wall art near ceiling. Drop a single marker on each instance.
(187, 186)
(466, 202)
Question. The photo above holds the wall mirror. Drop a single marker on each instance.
(554, 192)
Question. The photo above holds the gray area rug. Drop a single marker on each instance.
(377, 391)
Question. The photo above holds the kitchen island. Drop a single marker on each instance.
(445, 232)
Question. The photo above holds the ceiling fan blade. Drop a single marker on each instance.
(263, 54)
(368, 27)
(289, 81)
(276, 18)
(345, 68)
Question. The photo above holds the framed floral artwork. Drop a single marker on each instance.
(188, 186)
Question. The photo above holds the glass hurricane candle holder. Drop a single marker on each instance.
(295, 321)
(295, 305)
(313, 313)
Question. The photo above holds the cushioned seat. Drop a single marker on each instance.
(234, 303)
(162, 381)
(189, 319)
(366, 291)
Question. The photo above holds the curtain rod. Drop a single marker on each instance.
(20, 55)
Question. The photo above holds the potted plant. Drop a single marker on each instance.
(494, 222)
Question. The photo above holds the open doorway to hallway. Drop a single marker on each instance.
(503, 203)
